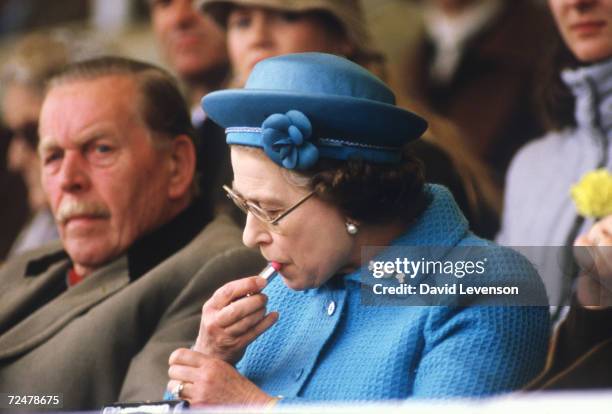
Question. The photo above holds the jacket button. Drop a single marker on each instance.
(331, 308)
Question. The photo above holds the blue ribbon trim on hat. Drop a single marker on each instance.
(287, 140)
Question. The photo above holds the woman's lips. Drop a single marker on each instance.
(588, 27)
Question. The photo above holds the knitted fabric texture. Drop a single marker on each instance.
(327, 346)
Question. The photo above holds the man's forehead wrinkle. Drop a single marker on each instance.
(88, 134)
(96, 116)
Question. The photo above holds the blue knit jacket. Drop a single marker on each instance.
(327, 346)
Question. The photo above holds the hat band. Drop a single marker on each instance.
(339, 149)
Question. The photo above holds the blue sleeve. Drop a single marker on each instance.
(481, 350)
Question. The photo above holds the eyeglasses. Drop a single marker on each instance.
(28, 132)
(265, 216)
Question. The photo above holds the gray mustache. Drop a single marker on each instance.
(71, 208)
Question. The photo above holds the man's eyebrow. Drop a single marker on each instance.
(50, 143)
(46, 144)
(91, 135)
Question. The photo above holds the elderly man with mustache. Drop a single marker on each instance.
(93, 320)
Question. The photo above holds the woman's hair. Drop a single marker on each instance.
(366, 192)
(555, 100)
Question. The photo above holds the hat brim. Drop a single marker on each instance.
(332, 116)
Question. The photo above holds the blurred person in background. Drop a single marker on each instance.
(94, 317)
(538, 208)
(194, 48)
(34, 60)
(14, 209)
(473, 63)
(257, 29)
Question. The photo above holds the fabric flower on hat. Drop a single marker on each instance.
(593, 194)
(286, 140)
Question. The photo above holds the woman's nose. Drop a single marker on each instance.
(581, 4)
(255, 232)
(259, 31)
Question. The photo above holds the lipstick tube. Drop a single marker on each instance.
(270, 270)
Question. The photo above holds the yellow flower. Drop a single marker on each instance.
(593, 194)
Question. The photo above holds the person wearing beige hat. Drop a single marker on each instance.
(258, 29)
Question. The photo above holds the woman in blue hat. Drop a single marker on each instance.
(317, 152)
(259, 29)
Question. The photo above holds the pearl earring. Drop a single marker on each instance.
(351, 228)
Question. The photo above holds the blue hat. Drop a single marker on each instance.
(306, 106)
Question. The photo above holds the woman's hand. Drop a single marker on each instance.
(593, 252)
(232, 318)
(210, 381)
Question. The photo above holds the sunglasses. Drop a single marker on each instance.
(28, 132)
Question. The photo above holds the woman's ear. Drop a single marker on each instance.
(182, 166)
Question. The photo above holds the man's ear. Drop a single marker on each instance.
(182, 166)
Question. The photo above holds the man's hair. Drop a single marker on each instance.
(161, 104)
